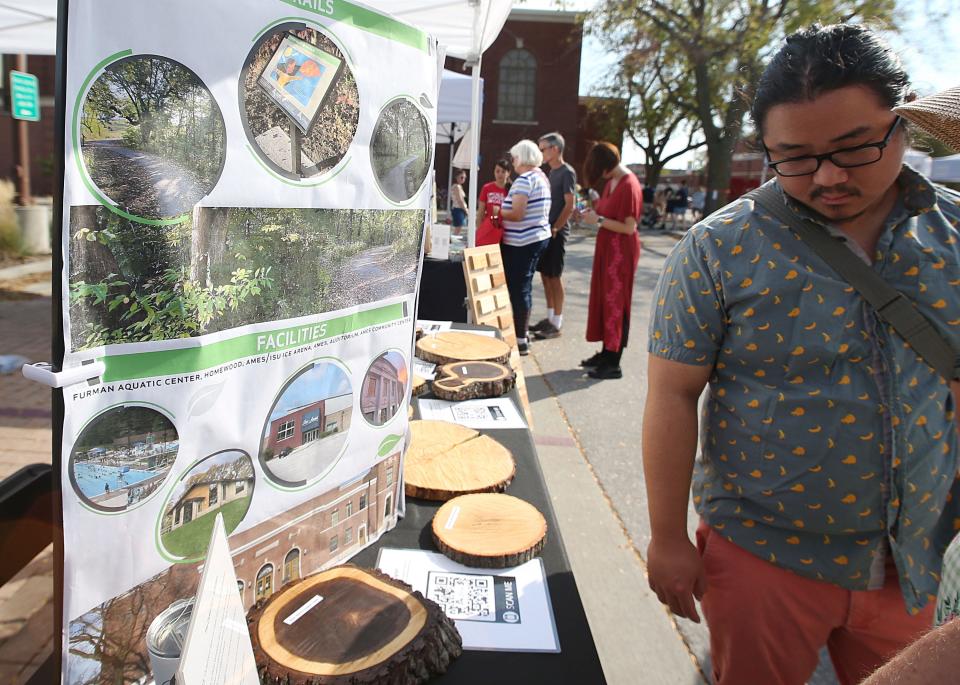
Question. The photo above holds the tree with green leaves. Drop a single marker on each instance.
(717, 48)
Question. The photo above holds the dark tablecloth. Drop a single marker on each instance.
(578, 662)
(442, 291)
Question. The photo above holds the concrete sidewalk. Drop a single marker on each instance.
(26, 602)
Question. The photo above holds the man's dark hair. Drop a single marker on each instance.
(554, 139)
(820, 59)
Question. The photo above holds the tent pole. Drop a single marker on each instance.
(453, 135)
(474, 153)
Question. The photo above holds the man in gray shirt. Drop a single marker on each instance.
(563, 183)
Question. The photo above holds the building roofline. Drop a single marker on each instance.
(546, 16)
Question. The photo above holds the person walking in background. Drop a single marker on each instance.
(563, 183)
(489, 202)
(615, 258)
(458, 208)
(678, 208)
(526, 231)
(698, 201)
(826, 484)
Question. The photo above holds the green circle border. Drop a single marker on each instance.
(159, 545)
(332, 173)
(432, 148)
(286, 383)
(74, 133)
(166, 412)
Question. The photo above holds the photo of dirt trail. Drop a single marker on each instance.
(229, 267)
(268, 127)
(152, 137)
(400, 151)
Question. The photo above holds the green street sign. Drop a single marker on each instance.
(24, 96)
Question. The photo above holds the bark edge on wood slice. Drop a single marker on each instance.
(489, 530)
(445, 460)
(457, 346)
(419, 385)
(461, 381)
(409, 639)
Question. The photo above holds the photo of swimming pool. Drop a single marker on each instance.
(94, 479)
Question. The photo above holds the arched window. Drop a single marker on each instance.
(291, 565)
(265, 582)
(517, 92)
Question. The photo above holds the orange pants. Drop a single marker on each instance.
(767, 624)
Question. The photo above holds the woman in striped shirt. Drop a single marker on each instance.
(526, 231)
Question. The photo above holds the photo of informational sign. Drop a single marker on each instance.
(298, 78)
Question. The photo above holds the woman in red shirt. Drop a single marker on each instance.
(615, 259)
(489, 202)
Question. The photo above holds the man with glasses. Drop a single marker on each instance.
(826, 481)
(563, 184)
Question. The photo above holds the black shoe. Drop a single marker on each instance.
(547, 332)
(523, 348)
(590, 362)
(538, 326)
(605, 372)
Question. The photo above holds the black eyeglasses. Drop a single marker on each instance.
(847, 158)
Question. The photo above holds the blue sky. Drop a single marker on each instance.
(324, 379)
(929, 48)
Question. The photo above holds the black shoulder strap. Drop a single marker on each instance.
(892, 305)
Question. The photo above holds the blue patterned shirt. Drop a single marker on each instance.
(826, 442)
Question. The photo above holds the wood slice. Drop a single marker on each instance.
(489, 530)
(420, 385)
(443, 462)
(366, 628)
(457, 346)
(473, 380)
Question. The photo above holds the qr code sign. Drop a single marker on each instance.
(464, 596)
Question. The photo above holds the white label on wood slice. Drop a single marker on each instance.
(452, 519)
(301, 612)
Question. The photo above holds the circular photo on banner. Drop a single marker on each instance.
(306, 431)
(122, 457)
(219, 484)
(401, 150)
(152, 137)
(299, 101)
(384, 388)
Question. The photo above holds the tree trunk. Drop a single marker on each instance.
(719, 167)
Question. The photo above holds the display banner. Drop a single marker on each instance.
(244, 204)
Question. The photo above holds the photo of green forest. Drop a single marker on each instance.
(229, 267)
(152, 136)
(268, 127)
(400, 150)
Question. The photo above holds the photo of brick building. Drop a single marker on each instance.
(306, 430)
(384, 388)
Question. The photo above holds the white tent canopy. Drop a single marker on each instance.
(465, 28)
(28, 27)
(454, 105)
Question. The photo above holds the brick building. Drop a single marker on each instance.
(40, 133)
(309, 422)
(383, 390)
(531, 78)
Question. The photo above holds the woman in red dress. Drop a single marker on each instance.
(615, 260)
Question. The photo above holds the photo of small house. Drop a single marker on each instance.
(306, 431)
(384, 388)
(122, 457)
(221, 483)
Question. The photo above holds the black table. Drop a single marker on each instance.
(442, 290)
(577, 661)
